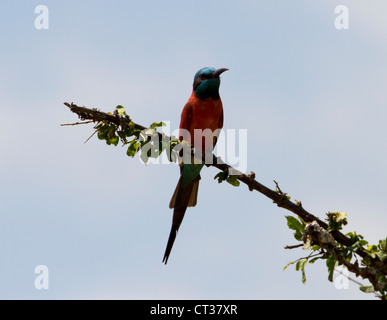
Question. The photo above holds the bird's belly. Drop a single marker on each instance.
(203, 130)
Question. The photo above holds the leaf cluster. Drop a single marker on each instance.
(358, 256)
(225, 176)
(148, 142)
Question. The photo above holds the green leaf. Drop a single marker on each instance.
(314, 259)
(133, 148)
(300, 265)
(358, 244)
(147, 133)
(122, 135)
(331, 264)
(111, 128)
(316, 247)
(354, 236)
(103, 132)
(98, 126)
(383, 245)
(294, 224)
(297, 226)
(131, 130)
(381, 255)
(120, 110)
(173, 142)
(112, 140)
(163, 145)
(221, 176)
(367, 289)
(108, 133)
(288, 265)
(233, 180)
(157, 124)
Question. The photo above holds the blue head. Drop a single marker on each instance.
(206, 83)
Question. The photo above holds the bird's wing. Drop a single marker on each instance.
(185, 121)
(220, 126)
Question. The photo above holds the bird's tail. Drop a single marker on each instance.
(183, 197)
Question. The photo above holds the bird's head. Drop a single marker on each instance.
(206, 83)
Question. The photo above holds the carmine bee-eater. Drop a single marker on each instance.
(202, 113)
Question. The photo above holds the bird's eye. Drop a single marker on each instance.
(202, 77)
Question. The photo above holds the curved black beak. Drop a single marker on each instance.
(218, 72)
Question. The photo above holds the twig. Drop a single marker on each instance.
(294, 246)
(377, 295)
(279, 189)
(76, 123)
(91, 135)
(348, 277)
(278, 197)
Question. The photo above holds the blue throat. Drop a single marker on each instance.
(206, 84)
(208, 89)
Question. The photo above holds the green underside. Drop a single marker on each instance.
(189, 172)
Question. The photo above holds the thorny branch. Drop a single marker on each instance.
(277, 196)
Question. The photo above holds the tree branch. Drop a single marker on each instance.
(278, 196)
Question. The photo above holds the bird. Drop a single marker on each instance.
(202, 113)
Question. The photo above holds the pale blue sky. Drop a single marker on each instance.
(313, 101)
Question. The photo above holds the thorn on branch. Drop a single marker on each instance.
(298, 203)
(91, 135)
(284, 195)
(294, 246)
(251, 177)
(278, 189)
